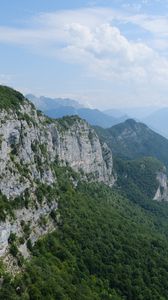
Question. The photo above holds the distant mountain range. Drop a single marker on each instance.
(58, 108)
(156, 119)
(46, 103)
(138, 113)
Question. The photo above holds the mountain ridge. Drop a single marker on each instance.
(132, 139)
(58, 108)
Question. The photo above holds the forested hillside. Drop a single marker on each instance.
(105, 247)
(138, 179)
(132, 140)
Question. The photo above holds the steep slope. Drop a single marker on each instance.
(131, 140)
(140, 160)
(142, 179)
(30, 146)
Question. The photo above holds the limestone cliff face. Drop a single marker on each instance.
(79, 146)
(29, 144)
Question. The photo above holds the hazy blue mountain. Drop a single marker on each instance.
(117, 113)
(61, 111)
(122, 119)
(132, 112)
(46, 103)
(96, 117)
(58, 108)
(139, 112)
(158, 120)
(132, 140)
(92, 116)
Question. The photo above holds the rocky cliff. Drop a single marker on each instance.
(162, 191)
(30, 144)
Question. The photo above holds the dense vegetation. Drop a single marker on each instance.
(10, 99)
(105, 247)
(68, 121)
(132, 140)
(139, 175)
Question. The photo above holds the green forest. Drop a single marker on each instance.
(105, 247)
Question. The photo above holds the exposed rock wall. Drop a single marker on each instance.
(29, 145)
(80, 147)
(162, 191)
(30, 218)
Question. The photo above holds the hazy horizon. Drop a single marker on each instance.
(87, 105)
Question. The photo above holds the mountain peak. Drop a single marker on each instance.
(134, 124)
(131, 140)
(131, 121)
(46, 103)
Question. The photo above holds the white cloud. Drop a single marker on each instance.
(89, 37)
(155, 24)
(106, 51)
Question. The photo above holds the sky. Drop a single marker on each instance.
(105, 54)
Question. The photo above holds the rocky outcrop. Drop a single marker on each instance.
(162, 191)
(79, 146)
(28, 224)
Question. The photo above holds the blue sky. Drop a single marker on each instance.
(110, 53)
